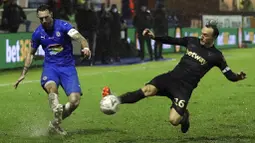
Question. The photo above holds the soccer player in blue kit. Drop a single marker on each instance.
(55, 36)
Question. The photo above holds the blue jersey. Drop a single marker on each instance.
(56, 44)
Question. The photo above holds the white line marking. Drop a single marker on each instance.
(90, 74)
(24, 82)
(128, 69)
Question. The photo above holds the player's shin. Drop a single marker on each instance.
(53, 100)
(56, 108)
(68, 108)
(185, 117)
(131, 97)
(185, 124)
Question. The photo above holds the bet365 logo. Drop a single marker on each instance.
(16, 51)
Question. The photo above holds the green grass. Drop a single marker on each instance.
(221, 111)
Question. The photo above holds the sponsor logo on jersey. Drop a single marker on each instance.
(55, 49)
(196, 57)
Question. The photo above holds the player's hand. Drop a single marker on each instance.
(86, 52)
(22, 77)
(241, 75)
(148, 32)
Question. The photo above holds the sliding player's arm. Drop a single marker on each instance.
(74, 34)
(229, 74)
(166, 39)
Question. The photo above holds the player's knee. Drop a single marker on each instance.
(51, 87)
(174, 121)
(149, 90)
(174, 117)
(74, 100)
(53, 90)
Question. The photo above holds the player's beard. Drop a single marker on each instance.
(206, 44)
(202, 42)
(47, 25)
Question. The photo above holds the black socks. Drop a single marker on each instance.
(131, 97)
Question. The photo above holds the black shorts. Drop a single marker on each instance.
(174, 89)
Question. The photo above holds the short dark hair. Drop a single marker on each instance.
(43, 7)
(213, 24)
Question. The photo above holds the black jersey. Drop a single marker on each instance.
(197, 61)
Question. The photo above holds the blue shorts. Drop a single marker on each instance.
(65, 76)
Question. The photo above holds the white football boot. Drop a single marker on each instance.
(55, 128)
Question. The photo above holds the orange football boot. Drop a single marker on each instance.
(106, 91)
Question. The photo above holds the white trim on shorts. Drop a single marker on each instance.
(48, 82)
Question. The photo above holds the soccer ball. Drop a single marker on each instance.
(109, 104)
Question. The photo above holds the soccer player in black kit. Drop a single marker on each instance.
(178, 84)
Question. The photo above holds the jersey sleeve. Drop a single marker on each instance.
(69, 29)
(222, 64)
(66, 26)
(225, 69)
(35, 41)
(173, 41)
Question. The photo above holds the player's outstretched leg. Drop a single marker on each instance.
(134, 96)
(71, 105)
(56, 107)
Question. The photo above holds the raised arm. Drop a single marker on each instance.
(229, 74)
(166, 39)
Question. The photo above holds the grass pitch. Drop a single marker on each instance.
(221, 111)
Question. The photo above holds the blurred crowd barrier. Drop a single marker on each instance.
(14, 46)
(31, 16)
